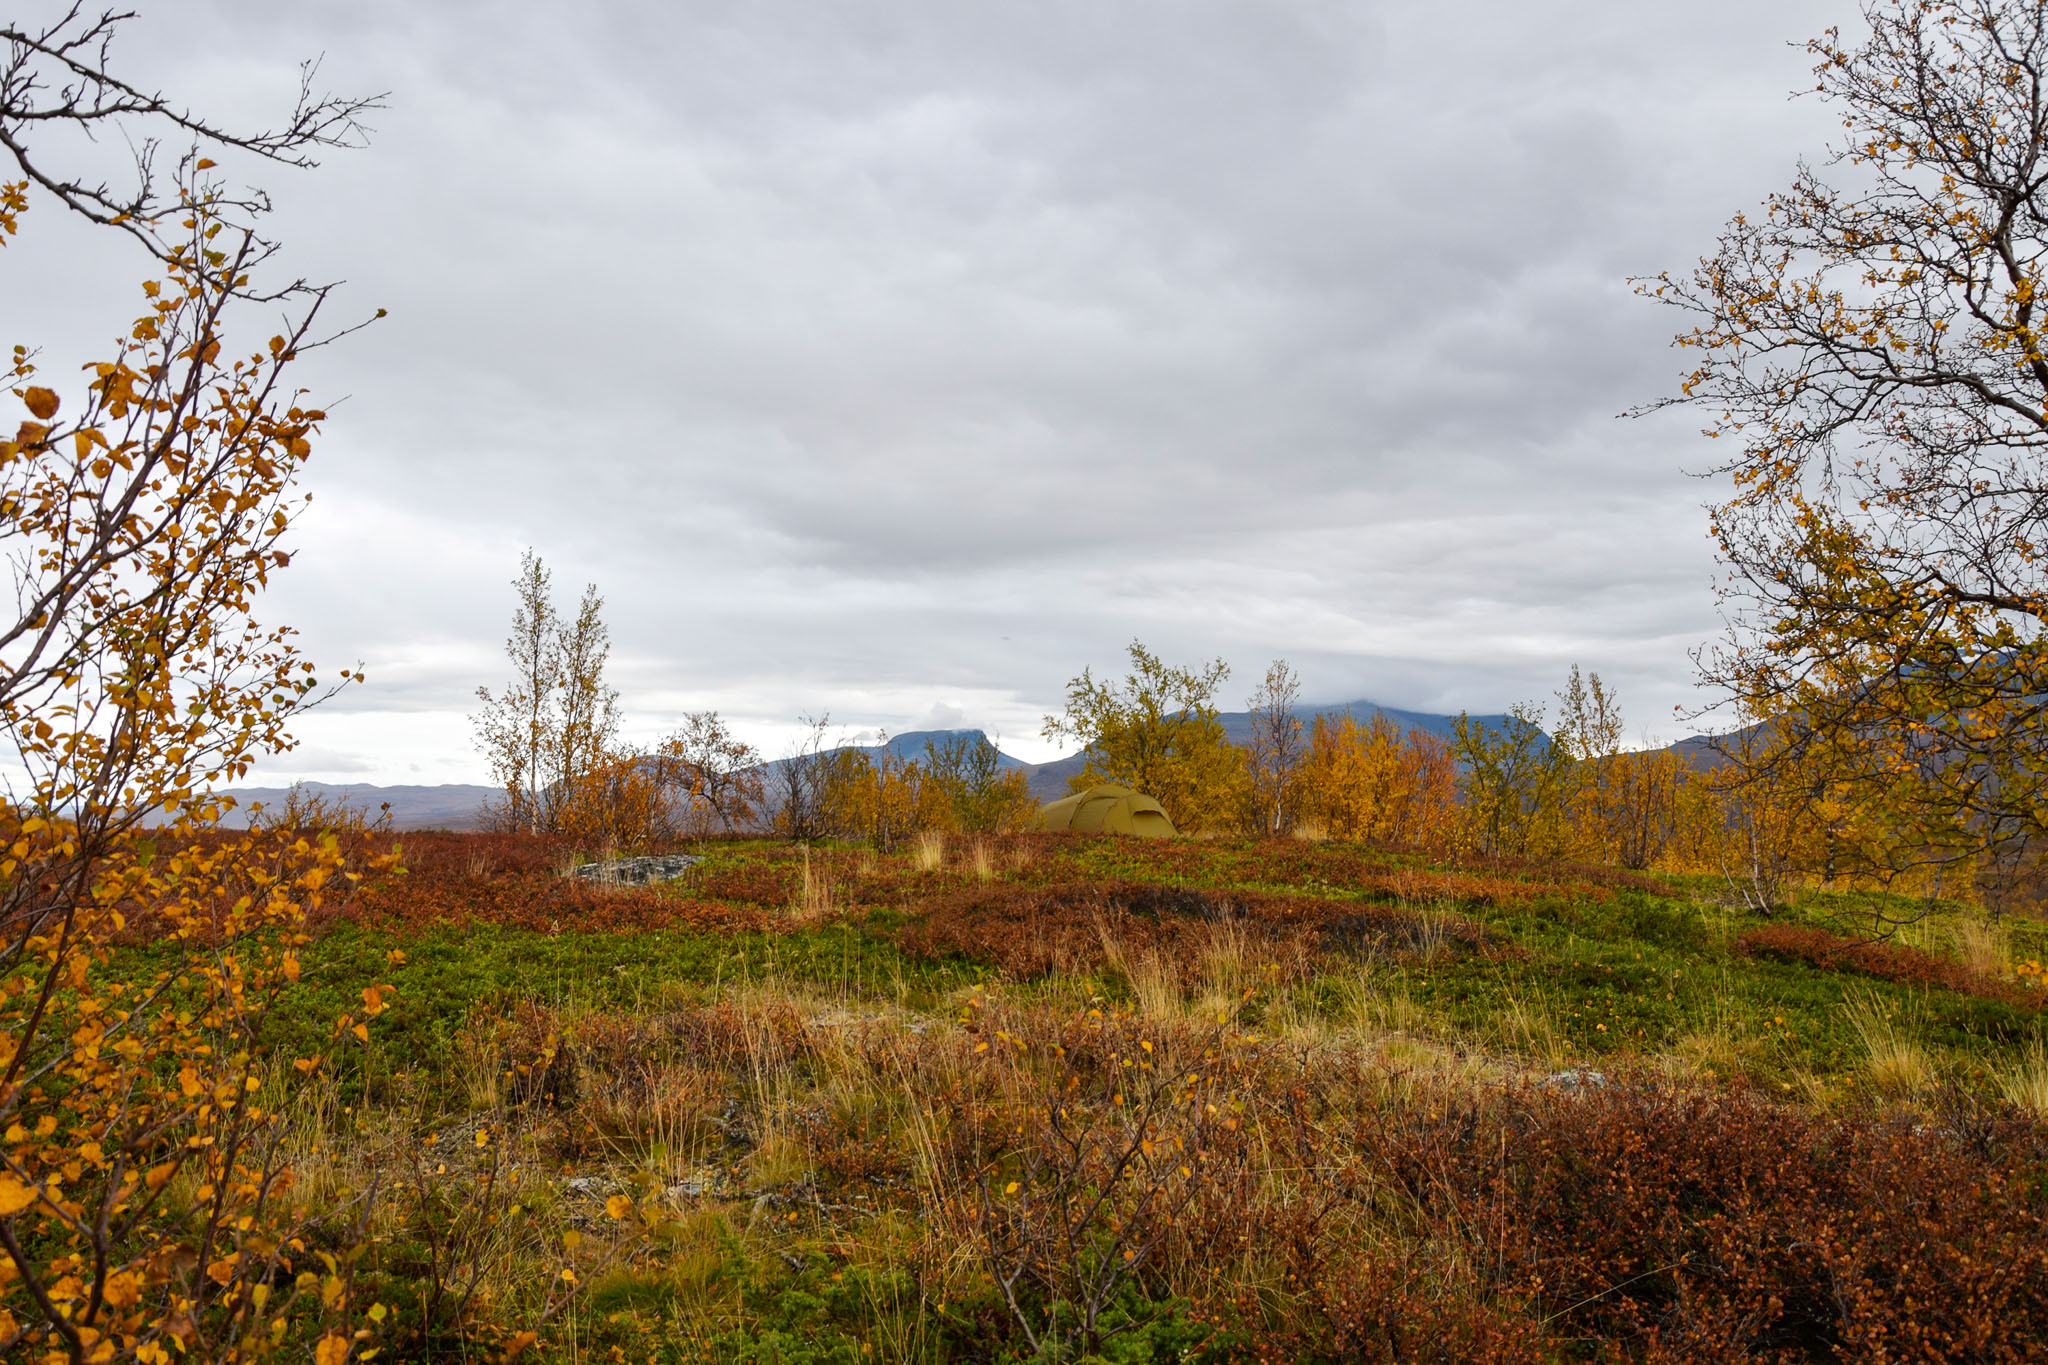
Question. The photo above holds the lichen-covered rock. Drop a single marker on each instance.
(636, 871)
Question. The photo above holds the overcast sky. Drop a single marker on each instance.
(897, 360)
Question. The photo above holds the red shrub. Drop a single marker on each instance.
(514, 880)
(1718, 1227)
(1886, 961)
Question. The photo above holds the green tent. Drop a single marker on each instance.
(1107, 809)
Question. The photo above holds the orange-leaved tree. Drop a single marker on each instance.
(969, 790)
(1622, 805)
(881, 796)
(146, 1208)
(1516, 784)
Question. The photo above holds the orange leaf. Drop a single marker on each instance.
(42, 402)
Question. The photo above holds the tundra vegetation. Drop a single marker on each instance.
(1510, 1045)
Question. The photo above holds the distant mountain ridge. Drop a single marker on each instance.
(461, 806)
(452, 805)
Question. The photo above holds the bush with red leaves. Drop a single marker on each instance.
(1886, 961)
(515, 880)
(1719, 1227)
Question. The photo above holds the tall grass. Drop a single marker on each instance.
(980, 861)
(1151, 977)
(1984, 948)
(1896, 1063)
(2025, 1083)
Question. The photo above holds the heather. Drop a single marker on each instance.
(1056, 1097)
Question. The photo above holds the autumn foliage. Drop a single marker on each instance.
(147, 1208)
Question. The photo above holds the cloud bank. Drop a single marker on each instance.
(898, 360)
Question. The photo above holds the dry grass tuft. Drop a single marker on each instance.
(2026, 1083)
(1311, 831)
(1984, 948)
(1226, 974)
(1152, 977)
(980, 862)
(811, 900)
(1379, 1005)
(1527, 1027)
(1897, 1065)
(1713, 1051)
(928, 851)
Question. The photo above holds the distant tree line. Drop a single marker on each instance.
(551, 735)
(1544, 781)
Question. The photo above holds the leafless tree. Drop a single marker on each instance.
(62, 75)
(1276, 746)
(717, 773)
(800, 779)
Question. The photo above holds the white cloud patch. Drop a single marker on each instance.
(899, 360)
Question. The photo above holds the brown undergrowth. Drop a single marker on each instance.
(1049, 1179)
(517, 880)
(1030, 931)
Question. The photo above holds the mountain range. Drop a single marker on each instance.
(459, 806)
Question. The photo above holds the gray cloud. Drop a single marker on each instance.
(900, 359)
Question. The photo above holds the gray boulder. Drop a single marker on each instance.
(636, 871)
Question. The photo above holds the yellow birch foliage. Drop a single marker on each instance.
(1369, 782)
(878, 798)
(146, 1212)
(1626, 808)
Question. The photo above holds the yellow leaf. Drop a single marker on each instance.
(14, 1196)
(332, 1350)
(618, 1206)
(1011, 1188)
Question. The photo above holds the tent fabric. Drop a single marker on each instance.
(1107, 809)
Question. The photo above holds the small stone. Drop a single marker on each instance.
(1574, 1080)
